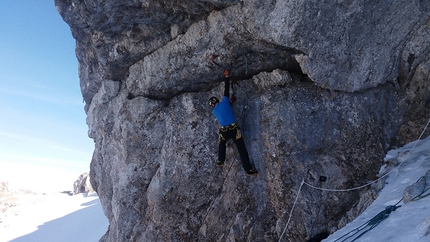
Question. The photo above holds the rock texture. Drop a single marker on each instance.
(83, 185)
(325, 88)
(417, 190)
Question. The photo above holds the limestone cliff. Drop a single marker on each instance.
(324, 89)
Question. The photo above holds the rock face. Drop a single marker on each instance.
(325, 88)
(83, 184)
(417, 190)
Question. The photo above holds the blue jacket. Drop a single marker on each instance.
(223, 112)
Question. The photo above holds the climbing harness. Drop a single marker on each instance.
(228, 127)
(232, 126)
(292, 209)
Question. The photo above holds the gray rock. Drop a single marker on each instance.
(82, 185)
(418, 189)
(4, 188)
(325, 88)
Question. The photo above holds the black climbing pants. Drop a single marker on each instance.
(232, 132)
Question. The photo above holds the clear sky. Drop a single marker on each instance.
(42, 119)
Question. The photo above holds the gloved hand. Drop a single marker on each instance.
(226, 73)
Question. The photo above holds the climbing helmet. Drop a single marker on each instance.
(213, 101)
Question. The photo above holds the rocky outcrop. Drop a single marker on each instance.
(4, 188)
(83, 185)
(417, 190)
(325, 88)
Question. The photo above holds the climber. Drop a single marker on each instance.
(229, 130)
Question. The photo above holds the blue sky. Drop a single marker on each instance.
(42, 124)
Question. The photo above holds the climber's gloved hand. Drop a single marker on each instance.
(226, 73)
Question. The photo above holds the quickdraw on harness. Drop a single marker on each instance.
(230, 127)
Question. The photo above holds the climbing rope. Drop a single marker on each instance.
(421, 196)
(425, 189)
(372, 182)
(378, 218)
(410, 151)
(372, 223)
(210, 208)
(291, 212)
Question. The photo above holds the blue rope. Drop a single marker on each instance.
(372, 223)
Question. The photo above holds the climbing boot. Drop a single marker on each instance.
(220, 163)
(251, 172)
